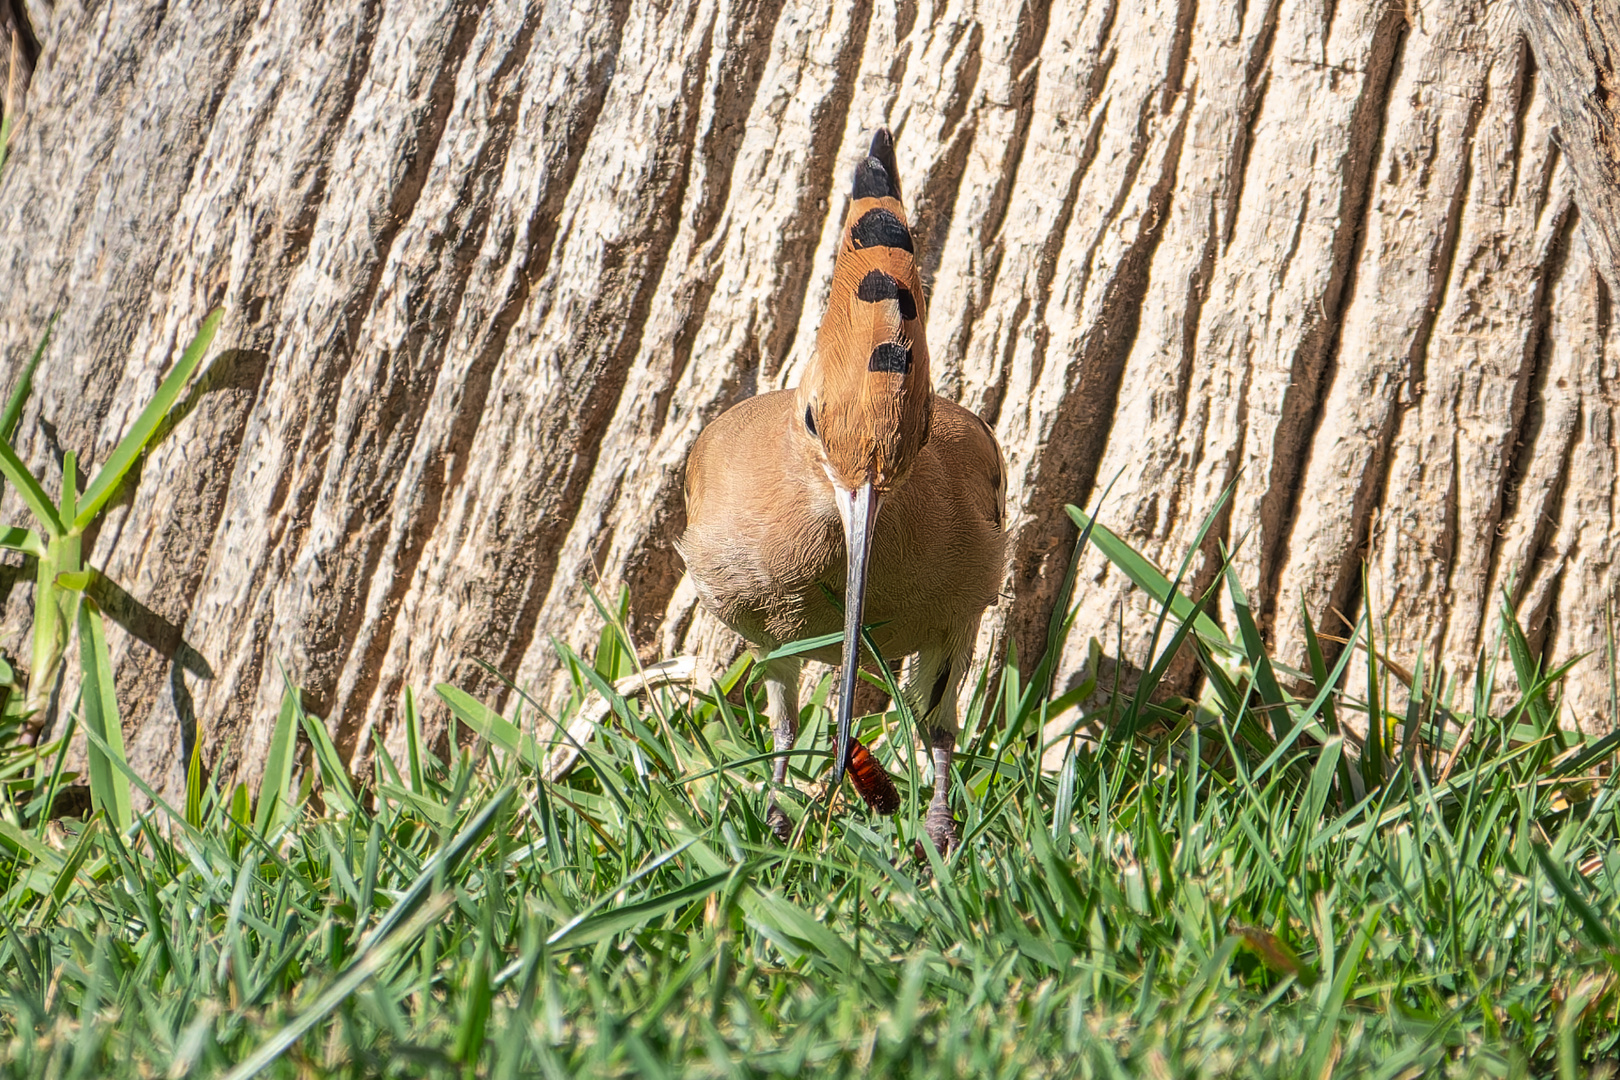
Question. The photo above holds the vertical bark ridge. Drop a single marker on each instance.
(1451, 538)
(1346, 594)
(1578, 45)
(632, 268)
(985, 161)
(1530, 423)
(366, 474)
(733, 101)
(1256, 81)
(128, 206)
(827, 121)
(437, 471)
(1313, 363)
(1031, 311)
(934, 201)
(1521, 443)
(1067, 471)
(388, 431)
(328, 545)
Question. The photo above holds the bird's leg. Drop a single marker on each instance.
(936, 679)
(782, 708)
(941, 825)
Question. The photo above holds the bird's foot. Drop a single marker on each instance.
(942, 828)
(780, 823)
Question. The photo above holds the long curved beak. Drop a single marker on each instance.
(859, 510)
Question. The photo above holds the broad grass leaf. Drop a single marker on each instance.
(109, 787)
(129, 448)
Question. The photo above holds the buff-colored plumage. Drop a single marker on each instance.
(763, 532)
(867, 418)
(774, 508)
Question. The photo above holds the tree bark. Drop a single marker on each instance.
(1580, 51)
(490, 266)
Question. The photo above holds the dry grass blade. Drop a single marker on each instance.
(681, 671)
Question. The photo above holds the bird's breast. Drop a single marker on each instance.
(765, 545)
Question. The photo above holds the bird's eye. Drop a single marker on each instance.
(810, 421)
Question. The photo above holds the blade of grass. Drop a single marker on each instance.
(1599, 934)
(612, 923)
(25, 381)
(1325, 685)
(334, 777)
(1254, 647)
(109, 789)
(1372, 754)
(441, 864)
(7, 123)
(797, 648)
(367, 963)
(276, 781)
(33, 495)
(1150, 580)
(491, 725)
(122, 459)
(194, 787)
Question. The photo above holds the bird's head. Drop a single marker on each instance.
(866, 400)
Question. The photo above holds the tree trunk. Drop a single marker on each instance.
(490, 266)
(1580, 51)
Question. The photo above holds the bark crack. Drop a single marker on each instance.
(1315, 359)
(626, 275)
(827, 123)
(1079, 433)
(1529, 395)
(1256, 82)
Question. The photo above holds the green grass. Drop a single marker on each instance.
(1233, 886)
(64, 584)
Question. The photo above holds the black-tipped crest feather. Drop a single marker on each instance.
(880, 228)
(872, 182)
(883, 151)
